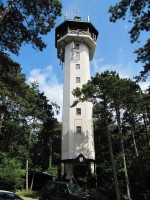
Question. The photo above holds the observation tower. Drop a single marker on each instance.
(75, 41)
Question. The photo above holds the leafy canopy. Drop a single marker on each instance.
(138, 13)
(25, 22)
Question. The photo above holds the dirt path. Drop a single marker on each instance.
(27, 198)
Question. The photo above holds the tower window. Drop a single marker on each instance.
(77, 66)
(77, 46)
(77, 55)
(78, 80)
(78, 129)
(78, 111)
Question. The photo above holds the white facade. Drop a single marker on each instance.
(76, 73)
(76, 48)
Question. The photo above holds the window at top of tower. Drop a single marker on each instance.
(77, 55)
(77, 46)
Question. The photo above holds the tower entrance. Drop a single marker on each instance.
(80, 170)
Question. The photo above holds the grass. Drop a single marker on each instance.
(29, 193)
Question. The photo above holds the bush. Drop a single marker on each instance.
(11, 173)
(53, 171)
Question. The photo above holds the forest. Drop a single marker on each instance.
(30, 135)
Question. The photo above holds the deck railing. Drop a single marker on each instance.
(78, 32)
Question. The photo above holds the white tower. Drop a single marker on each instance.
(75, 41)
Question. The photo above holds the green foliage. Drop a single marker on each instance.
(143, 55)
(29, 193)
(12, 81)
(11, 173)
(26, 116)
(137, 13)
(25, 22)
(120, 100)
(53, 171)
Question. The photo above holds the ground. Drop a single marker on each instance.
(27, 198)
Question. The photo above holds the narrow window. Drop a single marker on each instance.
(78, 129)
(77, 55)
(78, 111)
(77, 66)
(77, 46)
(78, 80)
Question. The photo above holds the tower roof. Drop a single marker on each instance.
(77, 23)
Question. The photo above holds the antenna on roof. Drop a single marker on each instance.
(75, 9)
(65, 16)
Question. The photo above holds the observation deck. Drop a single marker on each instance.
(75, 31)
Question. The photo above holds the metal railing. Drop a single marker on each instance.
(78, 32)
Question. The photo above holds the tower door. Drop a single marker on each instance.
(80, 174)
(79, 170)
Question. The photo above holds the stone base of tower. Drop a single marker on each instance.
(80, 170)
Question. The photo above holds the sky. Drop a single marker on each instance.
(113, 52)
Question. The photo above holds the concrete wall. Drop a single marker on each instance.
(74, 144)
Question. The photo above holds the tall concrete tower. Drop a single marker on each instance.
(75, 41)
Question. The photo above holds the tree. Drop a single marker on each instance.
(24, 112)
(25, 22)
(12, 93)
(11, 173)
(137, 13)
(39, 122)
(145, 110)
(118, 115)
(98, 90)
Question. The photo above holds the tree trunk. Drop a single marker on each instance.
(138, 161)
(123, 152)
(6, 11)
(113, 166)
(27, 174)
(132, 125)
(145, 124)
(32, 181)
(2, 115)
(1, 122)
(27, 163)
